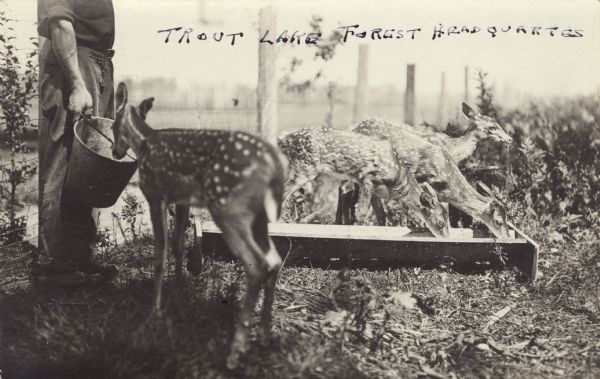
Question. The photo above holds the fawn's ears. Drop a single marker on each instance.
(427, 197)
(121, 97)
(468, 111)
(429, 189)
(498, 212)
(145, 107)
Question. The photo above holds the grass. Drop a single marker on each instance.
(327, 323)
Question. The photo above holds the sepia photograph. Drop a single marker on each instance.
(299, 189)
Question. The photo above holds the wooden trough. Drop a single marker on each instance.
(313, 243)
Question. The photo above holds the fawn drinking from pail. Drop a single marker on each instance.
(238, 176)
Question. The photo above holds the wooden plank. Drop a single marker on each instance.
(466, 98)
(314, 242)
(414, 251)
(360, 96)
(409, 95)
(441, 121)
(362, 232)
(528, 260)
(266, 92)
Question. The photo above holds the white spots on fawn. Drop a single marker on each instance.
(249, 170)
(216, 179)
(238, 146)
(246, 152)
(217, 166)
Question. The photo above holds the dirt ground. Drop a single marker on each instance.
(435, 322)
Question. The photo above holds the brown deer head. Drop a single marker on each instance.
(423, 202)
(494, 217)
(124, 115)
(485, 126)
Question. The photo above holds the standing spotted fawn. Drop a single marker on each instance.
(237, 176)
(361, 159)
(480, 128)
(433, 163)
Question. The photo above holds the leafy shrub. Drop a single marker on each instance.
(131, 213)
(552, 169)
(17, 90)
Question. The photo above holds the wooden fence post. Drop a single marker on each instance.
(466, 99)
(409, 95)
(441, 121)
(360, 98)
(267, 81)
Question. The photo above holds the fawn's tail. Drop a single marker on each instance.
(274, 197)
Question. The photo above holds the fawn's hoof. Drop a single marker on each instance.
(194, 264)
(239, 348)
(264, 337)
(155, 314)
(233, 360)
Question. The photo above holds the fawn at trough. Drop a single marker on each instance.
(237, 176)
(368, 161)
(433, 164)
(481, 128)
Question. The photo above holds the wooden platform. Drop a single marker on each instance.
(313, 242)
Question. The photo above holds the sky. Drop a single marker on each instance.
(535, 64)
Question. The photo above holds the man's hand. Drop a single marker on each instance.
(80, 100)
(65, 47)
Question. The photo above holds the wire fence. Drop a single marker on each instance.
(18, 229)
(22, 20)
(12, 180)
(26, 192)
(18, 242)
(19, 161)
(3, 184)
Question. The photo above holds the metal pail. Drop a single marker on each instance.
(93, 175)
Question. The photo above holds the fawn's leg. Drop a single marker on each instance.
(378, 209)
(237, 233)
(260, 240)
(339, 214)
(269, 296)
(352, 200)
(158, 215)
(181, 216)
(295, 182)
(346, 204)
(194, 258)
